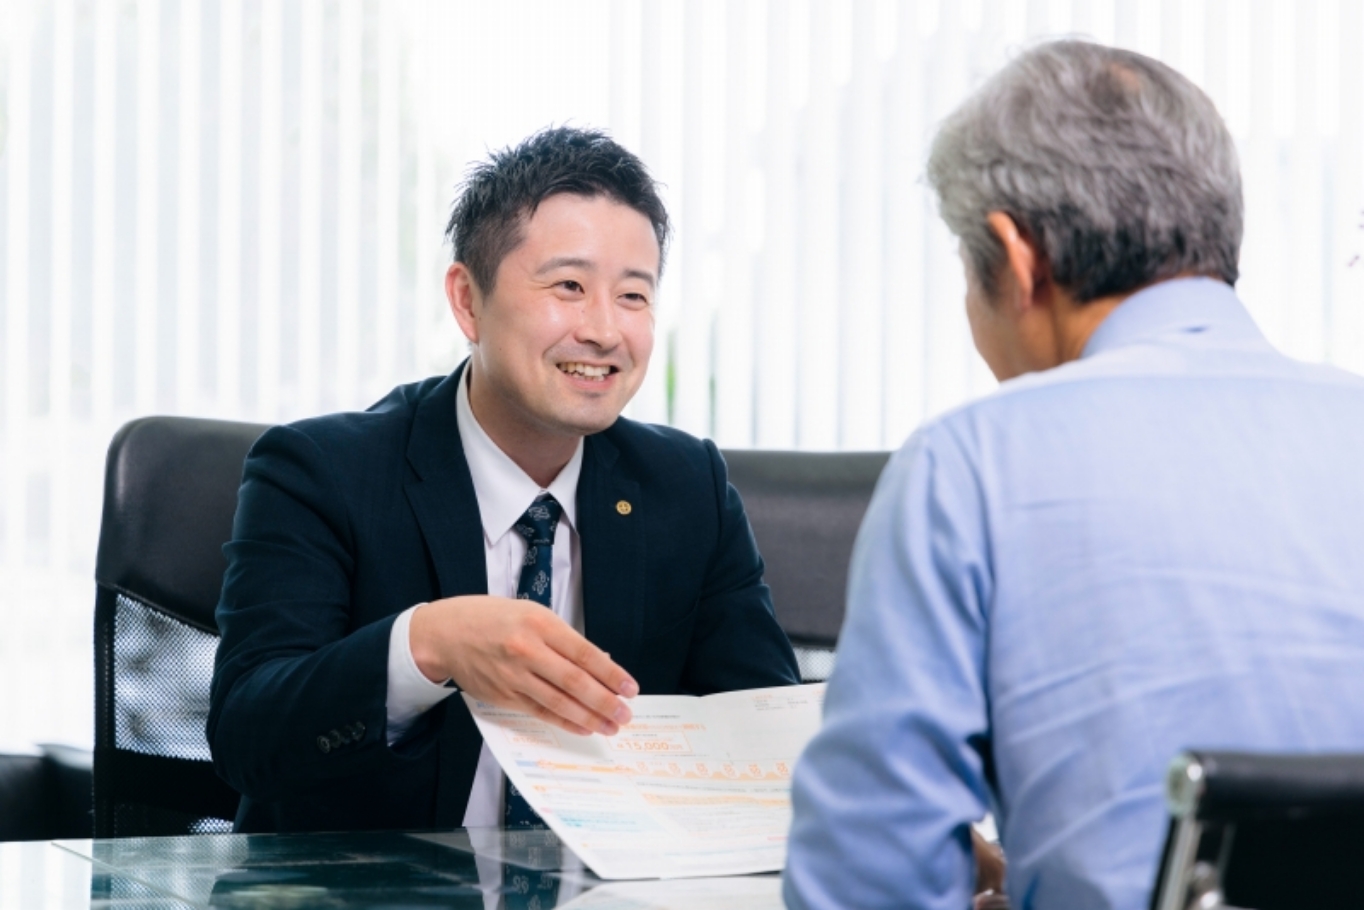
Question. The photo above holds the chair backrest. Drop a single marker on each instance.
(805, 509)
(170, 492)
(1270, 832)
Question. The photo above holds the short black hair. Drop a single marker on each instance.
(500, 194)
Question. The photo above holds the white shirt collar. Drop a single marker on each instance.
(505, 491)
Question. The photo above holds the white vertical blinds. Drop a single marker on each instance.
(233, 208)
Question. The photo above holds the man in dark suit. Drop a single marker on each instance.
(500, 531)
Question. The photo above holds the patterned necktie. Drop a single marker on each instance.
(537, 525)
(526, 889)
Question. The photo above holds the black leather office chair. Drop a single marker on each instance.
(805, 508)
(170, 491)
(1269, 832)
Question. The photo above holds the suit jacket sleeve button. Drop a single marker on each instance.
(336, 739)
(324, 745)
(359, 730)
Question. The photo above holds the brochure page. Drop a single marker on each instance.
(762, 893)
(691, 787)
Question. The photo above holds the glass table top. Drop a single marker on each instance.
(485, 869)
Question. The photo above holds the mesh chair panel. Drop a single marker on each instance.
(153, 776)
(162, 671)
(816, 664)
(133, 819)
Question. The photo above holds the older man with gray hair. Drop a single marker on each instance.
(1149, 538)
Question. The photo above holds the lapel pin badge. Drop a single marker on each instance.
(624, 507)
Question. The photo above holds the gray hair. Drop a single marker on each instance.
(1115, 165)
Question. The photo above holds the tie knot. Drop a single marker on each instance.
(538, 523)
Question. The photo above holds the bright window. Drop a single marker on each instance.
(233, 208)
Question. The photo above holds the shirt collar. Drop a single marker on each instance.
(1182, 305)
(505, 491)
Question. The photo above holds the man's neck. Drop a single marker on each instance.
(1075, 322)
(539, 454)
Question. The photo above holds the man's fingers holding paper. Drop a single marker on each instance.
(556, 706)
(518, 655)
(580, 682)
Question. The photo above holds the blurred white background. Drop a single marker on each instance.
(234, 209)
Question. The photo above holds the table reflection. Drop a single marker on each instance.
(483, 869)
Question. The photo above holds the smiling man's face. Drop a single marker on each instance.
(562, 342)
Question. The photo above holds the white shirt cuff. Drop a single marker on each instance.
(410, 693)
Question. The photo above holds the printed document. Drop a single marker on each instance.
(691, 787)
(693, 894)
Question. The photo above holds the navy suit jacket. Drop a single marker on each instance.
(345, 521)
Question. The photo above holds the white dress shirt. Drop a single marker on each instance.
(504, 492)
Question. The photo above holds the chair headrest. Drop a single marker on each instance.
(805, 509)
(170, 492)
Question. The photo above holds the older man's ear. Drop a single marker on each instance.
(1024, 269)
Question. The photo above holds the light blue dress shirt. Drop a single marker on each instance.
(1060, 586)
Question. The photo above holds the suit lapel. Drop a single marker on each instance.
(442, 498)
(610, 513)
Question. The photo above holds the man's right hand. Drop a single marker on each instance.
(517, 654)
